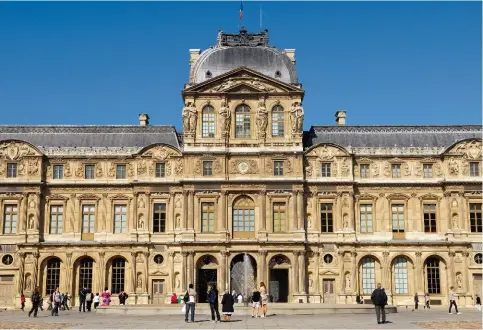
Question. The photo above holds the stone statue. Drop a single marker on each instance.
(459, 282)
(297, 117)
(348, 281)
(193, 118)
(140, 281)
(225, 119)
(141, 203)
(178, 222)
(140, 222)
(177, 282)
(455, 221)
(311, 282)
(346, 221)
(309, 222)
(454, 203)
(31, 221)
(262, 119)
(28, 284)
(186, 117)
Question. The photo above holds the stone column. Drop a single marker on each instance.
(224, 256)
(386, 274)
(263, 266)
(342, 271)
(21, 273)
(263, 211)
(192, 267)
(172, 220)
(300, 208)
(184, 224)
(146, 275)
(451, 267)
(133, 272)
(69, 273)
(102, 272)
(23, 225)
(134, 212)
(418, 270)
(35, 273)
(184, 271)
(302, 280)
(172, 284)
(355, 272)
(70, 214)
(223, 208)
(316, 255)
(294, 221)
(191, 211)
(295, 272)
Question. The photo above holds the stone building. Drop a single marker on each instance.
(242, 195)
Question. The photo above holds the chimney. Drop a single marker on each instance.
(340, 117)
(290, 54)
(194, 54)
(143, 119)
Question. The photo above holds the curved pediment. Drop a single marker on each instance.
(159, 151)
(469, 149)
(17, 149)
(325, 151)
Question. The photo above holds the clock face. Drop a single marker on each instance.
(243, 167)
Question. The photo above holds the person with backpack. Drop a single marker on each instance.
(213, 301)
(35, 303)
(89, 300)
(190, 299)
(82, 299)
(256, 302)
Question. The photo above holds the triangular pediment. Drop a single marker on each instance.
(328, 272)
(242, 80)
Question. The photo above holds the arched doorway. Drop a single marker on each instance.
(84, 274)
(243, 274)
(279, 278)
(206, 269)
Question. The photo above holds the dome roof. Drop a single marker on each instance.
(243, 50)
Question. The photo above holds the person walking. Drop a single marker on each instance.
(89, 300)
(379, 299)
(427, 301)
(22, 302)
(82, 300)
(96, 300)
(227, 303)
(65, 301)
(56, 302)
(123, 297)
(256, 303)
(213, 301)
(190, 299)
(264, 298)
(35, 303)
(478, 303)
(416, 301)
(452, 300)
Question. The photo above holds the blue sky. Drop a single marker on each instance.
(104, 62)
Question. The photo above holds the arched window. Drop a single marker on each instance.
(242, 121)
(53, 275)
(277, 121)
(401, 275)
(118, 275)
(243, 217)
(368, 275)
(208, 119)
(85, 273)
(432, 276)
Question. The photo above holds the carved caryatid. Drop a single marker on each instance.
(297, 117)
(186, 117)
(262, 119)
(225, 119)
(190, 117)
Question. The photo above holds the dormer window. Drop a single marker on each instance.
(208, 74)
(278, 74)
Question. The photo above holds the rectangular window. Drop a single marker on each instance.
(474, 169)
(10, 219)
(429, 218)
(88, 218)
(89, 172)
(160, 170)
(207, 217)
(397, 211)
(120, 218)
(159, 218)
(11, 170)
(475, 217)
(58, 171)
(368, 275)
(279, 224)
(396, 170)
(326, 218)
(56, 219)
(364, 169)
(120, 171)
(278, 168)
(366, 218)
(277, 123)
(401, 276)
(325, 170)
(428, 170)
(207, 168)
(208, 126)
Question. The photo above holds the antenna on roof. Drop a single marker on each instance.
(260, 17)
(241, 15)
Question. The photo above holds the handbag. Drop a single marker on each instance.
(183, 309)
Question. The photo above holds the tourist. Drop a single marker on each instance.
(89, 299)
(213, 301)
(358, 299)
(227, 303)
(452, 300)
(82, 299)
(264, 296)
(255, 303)
(65, 302)
(35, 303)
(123, 297)
(56, 302)
(427, 301)
(190, 300)
(240, 299)
(174, 298)
(416, 301)
(22, 302)
(96, 300)
(106, 297)
(234, 295)
(478, 303)
(379, 299)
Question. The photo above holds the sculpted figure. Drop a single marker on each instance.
(186, 117)
(346, 221)
(225, 118)
(459, 281)
(348, 281)
(262, 119)
(140, 281)
(297, 117)
(455, 221)
(141, 222)
(193, 118)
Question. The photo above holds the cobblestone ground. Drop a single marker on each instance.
(433, 319)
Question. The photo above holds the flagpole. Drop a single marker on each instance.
(260, 17)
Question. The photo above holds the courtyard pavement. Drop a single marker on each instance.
(432, 319)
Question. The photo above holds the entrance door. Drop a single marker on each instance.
(6, 290)
(205, 278)
(328, 291)
(477, 285)
(279, 285)
(158, 292)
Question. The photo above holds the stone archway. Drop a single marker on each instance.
(206, 275)
(243, 274)
(279, 266)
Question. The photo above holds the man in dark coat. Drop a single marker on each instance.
(379, 299)
(35, 303)
(82, 299)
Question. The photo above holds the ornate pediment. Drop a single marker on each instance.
(159, 273)
(470, 149)
(159, 152)
(328, 272)
(326, 152)
(16, 150)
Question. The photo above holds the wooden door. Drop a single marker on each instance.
(328, 291)
(158, 292)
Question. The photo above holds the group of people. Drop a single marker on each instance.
(259, 298)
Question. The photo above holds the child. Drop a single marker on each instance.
(96, 300)
(22, 301)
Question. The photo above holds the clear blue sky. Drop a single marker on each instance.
(104, 62)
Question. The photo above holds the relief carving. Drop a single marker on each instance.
(142, 167)
(33, 167)
(130, 169)
(387, 169)
(14, 150)
(297, 117)
(438, 170)
(190, 117)
(225, 119)
(345, 170)
(453, 167)
(249, 166)
(98, 169)
(407, 169)
(418, 170)
(465, 167)
(67, 170)
(3, 167)
(179, 166)
(79, 172)
(262, 119)
(375, 169)
(111, 172)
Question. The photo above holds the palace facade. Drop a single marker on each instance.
(242, 195)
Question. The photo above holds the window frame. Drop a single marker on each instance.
(57, 221)
(10, 218)
(431, 280)
(160, 168)
(397, 271)
(368, 172)
(86, 273)
(371, 280)
(57, 171)
(207, 168)
(329, 220)
(243, 217)
(208, 123)
(53, 268)
(429, 219)
(279, 208)
(121, 169)
(243, 121)
(478, 170)
(398, 229)
(430, 173)
(91, 224)
(371, 220)
(12, 170)
(473, 217)
(396, 171)
(278, 121)
(120, 218)
(328, 173)
(210, 207)
(118, 275)
(157, 220)
(89, 171)
(278, 167)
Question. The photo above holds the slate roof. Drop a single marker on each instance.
(92, 136)
(391, 136)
